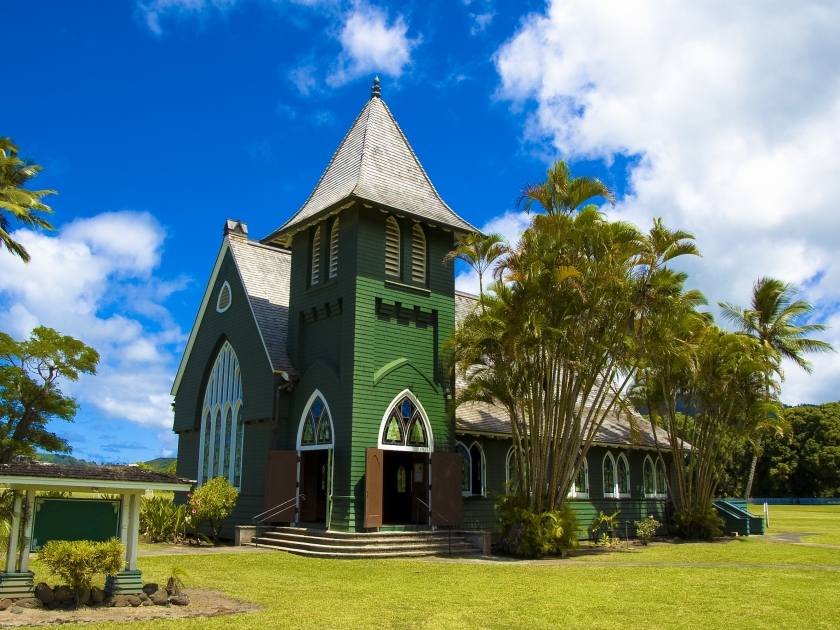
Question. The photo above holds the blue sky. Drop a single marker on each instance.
(156, 120)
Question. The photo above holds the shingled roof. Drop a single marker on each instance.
(374, 164)
(16, 473)
(484, 419)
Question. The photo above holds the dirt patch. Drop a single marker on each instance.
(202, 604)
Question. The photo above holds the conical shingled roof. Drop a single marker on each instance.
(375, 164)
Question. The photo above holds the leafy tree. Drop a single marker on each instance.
(479, 252)
(563, 194)
(78, 562)
(29, 395)
(16, 200)
(772, 321)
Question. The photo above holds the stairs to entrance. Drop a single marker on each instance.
(319, 543)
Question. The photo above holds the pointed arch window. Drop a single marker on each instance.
(580, 487)
(661, 480)
(466, 469)
(649, 477)
(472, 469)
(392, 247)
(405, 426)
(316, 256)
(609, 476)
(222, 427)
(418, 254)
(622, 476)
(224, 299)
(334, 249)
(317, 424)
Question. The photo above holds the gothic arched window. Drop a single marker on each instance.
(316, 256)
(649, 478)
(622, 469)
(580, 487)
(334, 249)
(392, 247)
(661, 479)
(466, 468)
(418, 254)
(404, 427)
(317, 424)
(609, 476)
(222, 428)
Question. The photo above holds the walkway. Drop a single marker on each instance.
(186, 550)
(606, 563)
(795, 538)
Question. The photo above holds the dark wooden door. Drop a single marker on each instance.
(281, 484)
(373, 487)
(446, 489)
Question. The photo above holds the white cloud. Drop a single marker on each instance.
(152, 12)
(482, 21)
(371, 44)
(733, 111)
(95, 280)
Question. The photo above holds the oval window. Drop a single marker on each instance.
(223, 302)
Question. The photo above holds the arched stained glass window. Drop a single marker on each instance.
(405, 426)
(580, 488)
(466, 468)
(661, 479)
(649, 478)
(317, 424)
(222, 438)
(609, 476)
(623, 476)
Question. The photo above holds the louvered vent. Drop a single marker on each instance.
(316, 256)
(392, 247)
(334, 249)
(223, 301)
(418, 254)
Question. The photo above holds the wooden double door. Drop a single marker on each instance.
(400, 486)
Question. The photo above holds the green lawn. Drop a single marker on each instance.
(305, 593)
(819, 519)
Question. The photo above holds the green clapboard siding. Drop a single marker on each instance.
(74, 519)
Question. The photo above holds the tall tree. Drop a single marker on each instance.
(15, 200)
(562, 193)
(773, 320)
(479, 252)
(30, 372)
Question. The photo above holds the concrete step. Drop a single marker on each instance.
(373, 546)
(323, 533)
(340, 552)
(391, 540)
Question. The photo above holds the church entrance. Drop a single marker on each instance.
(314, 484)
(404, 481)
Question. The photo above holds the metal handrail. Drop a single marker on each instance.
(431, 511)
(277, 508)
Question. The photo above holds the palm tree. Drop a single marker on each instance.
(15, 200)
(772, 322)
(479, 252)
(563, 193)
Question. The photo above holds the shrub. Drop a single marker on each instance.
(78, 562)
(646, 529)
(532, 534)
(212, 503)
(698, 523)
(161, 520)
(610, 523)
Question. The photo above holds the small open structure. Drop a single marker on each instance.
(129, 482)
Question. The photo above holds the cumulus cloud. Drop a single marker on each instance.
(732, 113)
(370, 43)
(95, 280)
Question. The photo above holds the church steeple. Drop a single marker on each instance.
(374, 164)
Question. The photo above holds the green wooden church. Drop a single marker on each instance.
(312, 378)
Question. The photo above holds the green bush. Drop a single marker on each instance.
(646, 529)
(610, 523)
(530, 534)
(78, 562)
(698, 523)
(161, 520)
(212, 503)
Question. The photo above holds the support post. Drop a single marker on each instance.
(129, 581)
(124, 505)
(133, 531)
(28, 517)
(11, 552)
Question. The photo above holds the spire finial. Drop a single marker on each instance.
(375, 91)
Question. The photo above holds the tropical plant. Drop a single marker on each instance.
(175, 584)
(163, 521)
(29, 395)
(530, 534)
(479, 252)
(607, 521)
(773, 321)
(211, 503)
(16, 200)
(646, 529)
(78, 562)
(562, 193)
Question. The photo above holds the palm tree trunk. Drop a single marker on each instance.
(751, 476)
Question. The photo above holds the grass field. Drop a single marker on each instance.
(305, 593)
(818, 519)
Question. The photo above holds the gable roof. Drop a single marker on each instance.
(374, 163)
(484, 419)
(265, 274)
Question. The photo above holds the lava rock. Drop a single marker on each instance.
(29, 602)
(134, 600)
(159, 598)
(84, 596)
(120, 601)
(63, 593)
(44, 593)
(96, 595)
(6, 604)
(179, 600)
(150, 588)
(16, 610)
